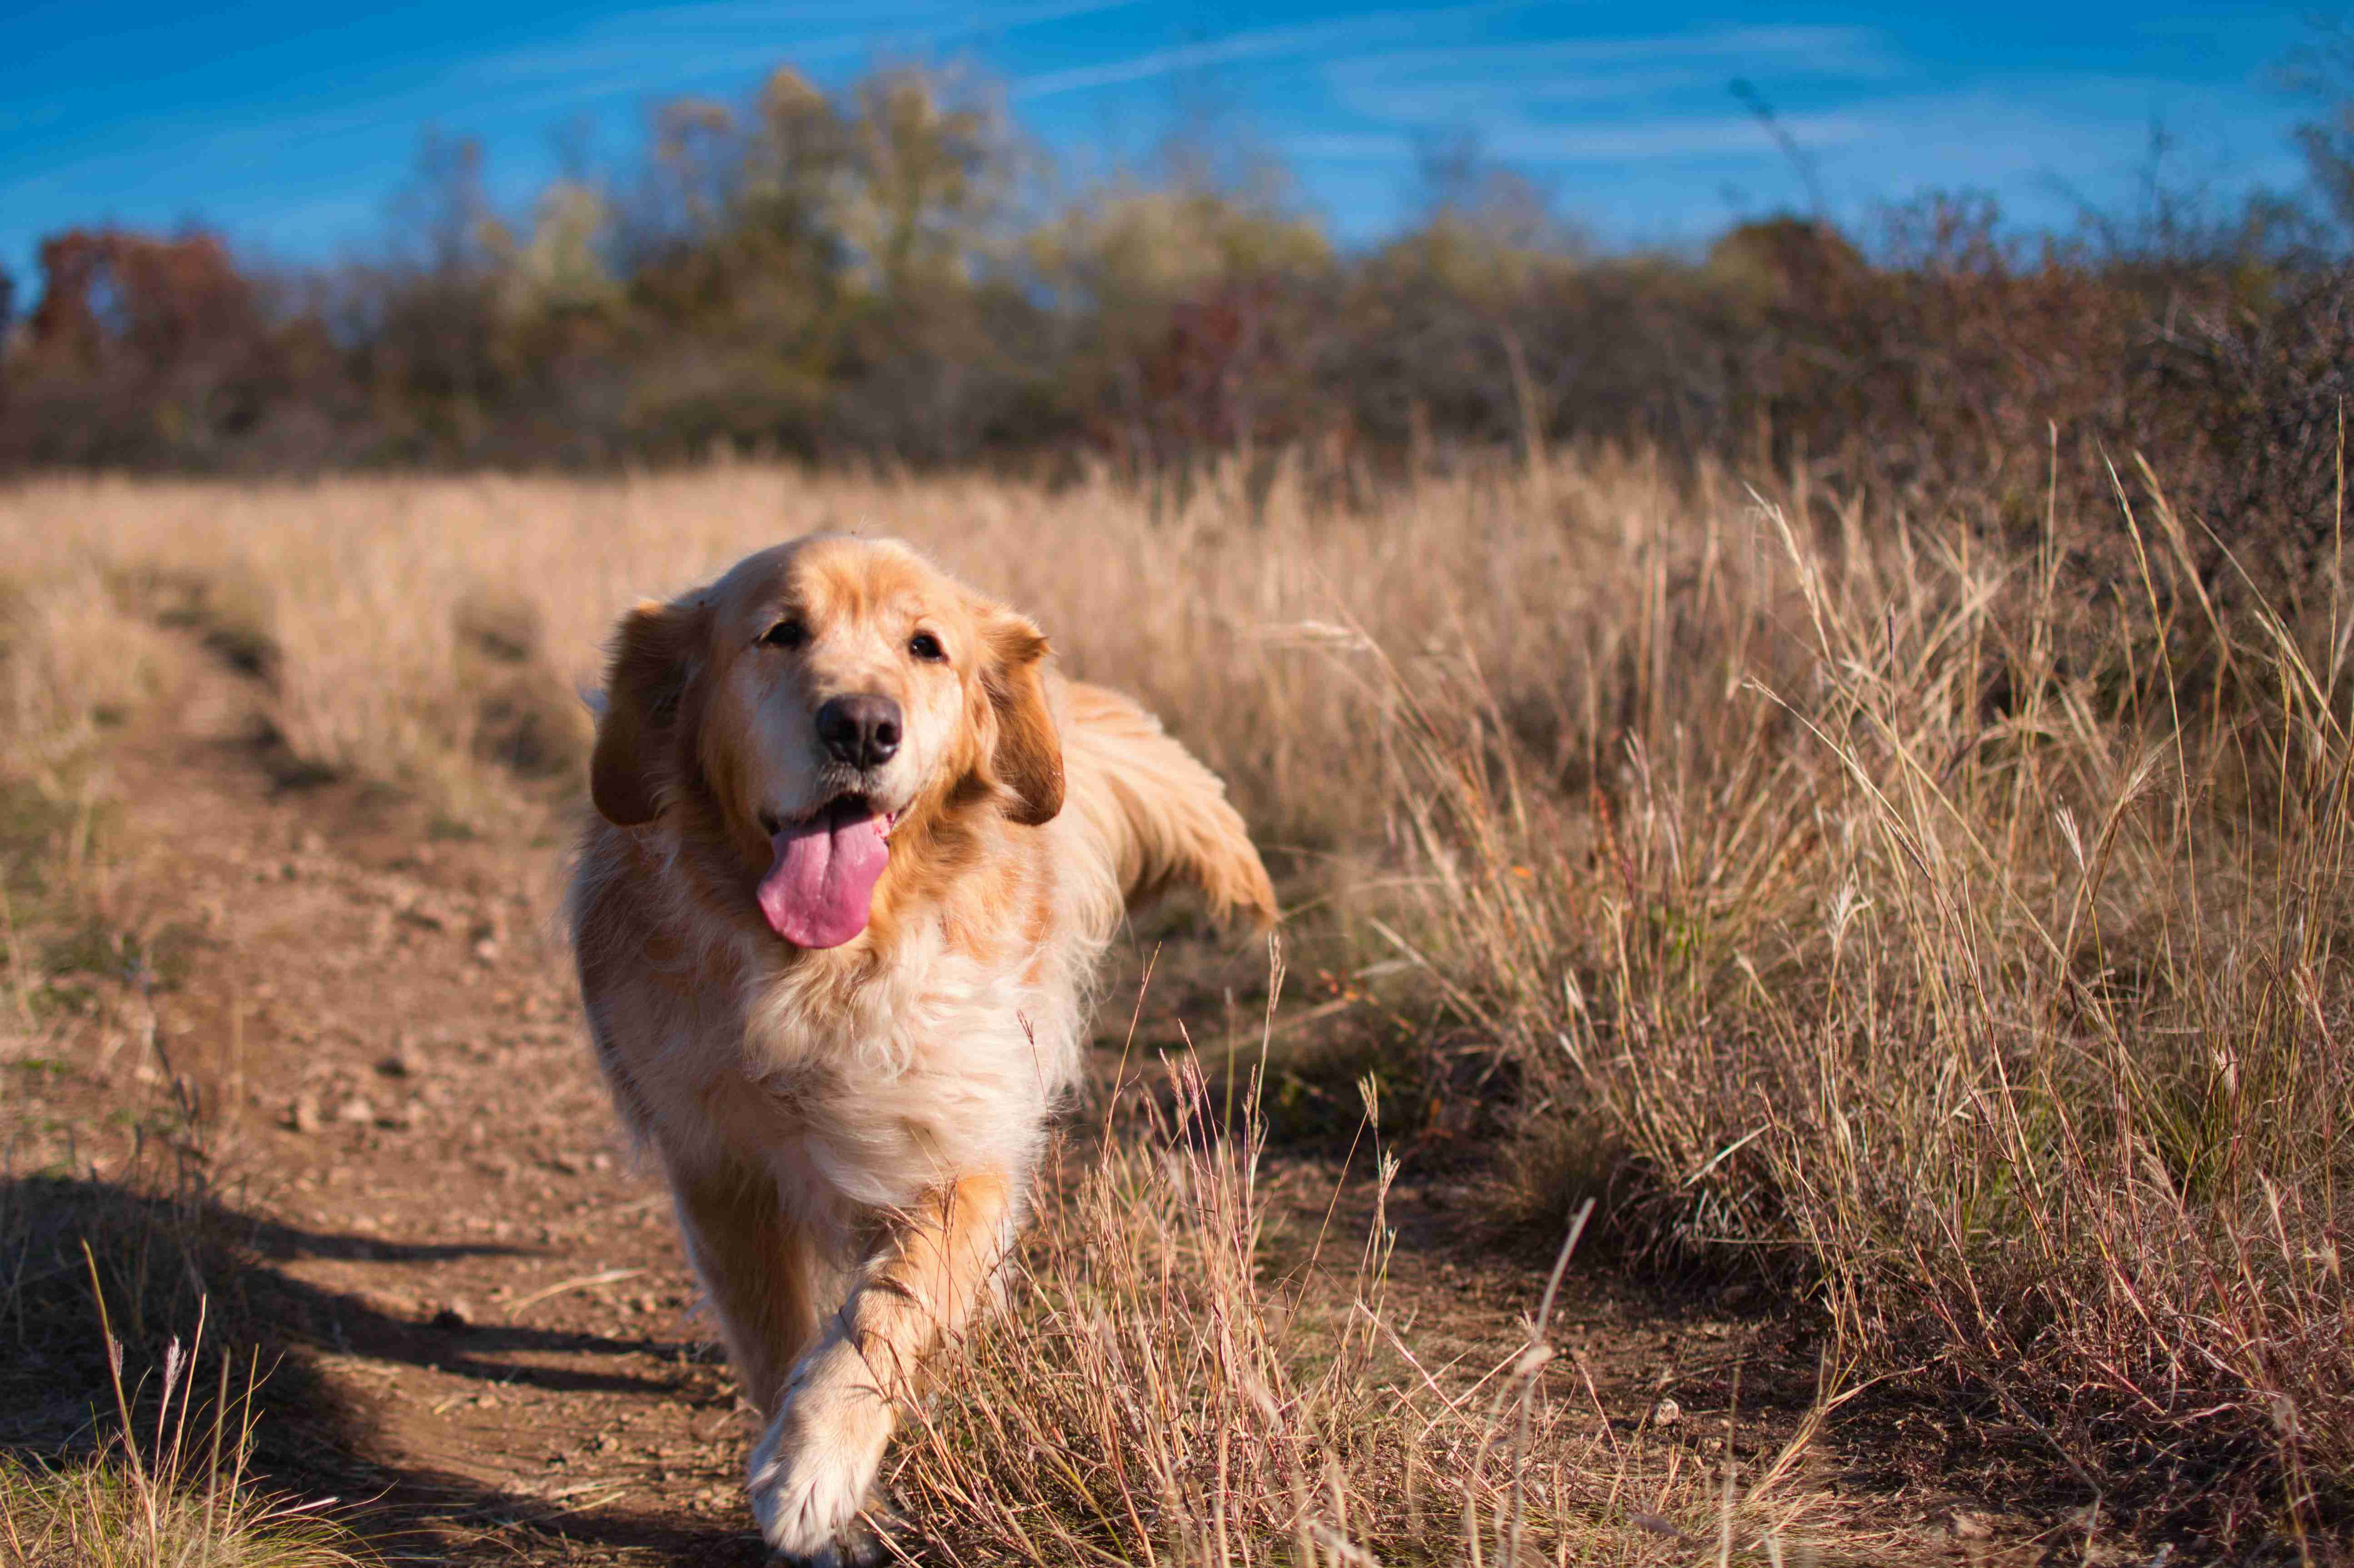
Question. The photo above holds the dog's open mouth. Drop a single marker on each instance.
(818, 890)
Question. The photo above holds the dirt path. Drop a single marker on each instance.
(501, 1349)
(383, 1017)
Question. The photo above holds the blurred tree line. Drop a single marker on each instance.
(874, 275)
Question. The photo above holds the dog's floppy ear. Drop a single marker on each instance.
(1028, 758)
(636, 744)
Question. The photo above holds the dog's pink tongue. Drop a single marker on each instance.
(818, 892)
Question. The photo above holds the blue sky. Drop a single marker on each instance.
(289, 127)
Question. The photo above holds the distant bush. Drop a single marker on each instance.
(870, 277)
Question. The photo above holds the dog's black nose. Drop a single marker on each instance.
(863, 731)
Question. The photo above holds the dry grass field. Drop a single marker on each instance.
(1912, 936)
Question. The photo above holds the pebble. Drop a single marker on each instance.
(303, 1115)
(356, 1111)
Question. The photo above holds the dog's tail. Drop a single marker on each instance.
(1157, 816)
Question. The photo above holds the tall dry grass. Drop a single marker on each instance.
(1898, 901)
(1961, 938)
(1162, 1393)
(173, 1492)
(393, 617)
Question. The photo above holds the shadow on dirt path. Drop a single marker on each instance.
(343, 1366)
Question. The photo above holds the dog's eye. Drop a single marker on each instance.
(786, 633)
(926, 646)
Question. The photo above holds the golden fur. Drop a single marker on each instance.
(850, 1131)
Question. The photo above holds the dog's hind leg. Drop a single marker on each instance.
(757, 1269)
(815, 1468)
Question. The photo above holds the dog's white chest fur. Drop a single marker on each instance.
(940, 1063)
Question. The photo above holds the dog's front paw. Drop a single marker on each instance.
(814, 1468)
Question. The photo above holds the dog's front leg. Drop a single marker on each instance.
(814, 1468)
(757, 1268)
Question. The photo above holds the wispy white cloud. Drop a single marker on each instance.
(2039, 142)
(595, 63)
(1453, 101)
(1626, 123)
(2022, 130)
(1839, 49)
(663, 38)
(1006, 21)
(1690, 136)
(1256, 44)
(647, 46)
(641, 54)
(1263, 43)
(1661, 138)
(1486, 82)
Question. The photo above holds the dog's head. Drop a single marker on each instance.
(818, 698)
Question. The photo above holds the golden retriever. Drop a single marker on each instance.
(857, 847)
